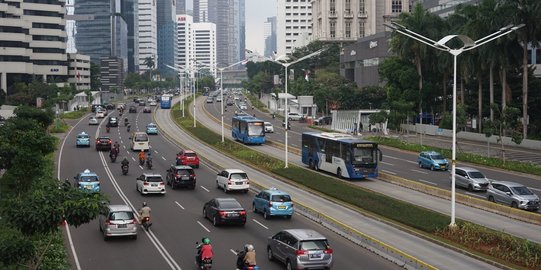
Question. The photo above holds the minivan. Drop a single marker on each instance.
(471, 179)
(118, 220)
(513, 194)
(139, 141)
(300, 249)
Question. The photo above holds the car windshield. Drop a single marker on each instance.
(239, 176)
(190, 154)
(521, 190)
(141, 137)
(112, 119)
(82, 137)
(154, 179)
(476, 174)
(255, 129)
(281, 198)
(151, 126)
(314, 245)
(229, 205)
(121, 216)
(363, 154)
(88, 178)
(437, 157)
(184, 172)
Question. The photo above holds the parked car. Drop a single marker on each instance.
(152, 129)
(103, 143)
(88, 181)
(146, 109)
(150, 183)
(293, 116)
(118, 220)
(300, 249)
(83, 139)
(132, 109)
(92, 120)
(470, 178)
(188, 157)
(268, 127)
(181, 176)
(224, 210)
(432, 160)
(113, 122)
(513, 194)
(273, 202)
(233, 179)
(323, 120)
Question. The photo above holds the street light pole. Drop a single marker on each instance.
(468, 44)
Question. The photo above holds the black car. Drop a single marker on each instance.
(132, 109)
(181, 176)
(113, 122)
(110, 106)
(324, 120)
(103, 143)
(224, 210)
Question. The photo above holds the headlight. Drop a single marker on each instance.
(476, 185)
(523, 202)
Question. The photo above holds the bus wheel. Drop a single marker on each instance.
(311, 164)
(316, 168)
(339, 173)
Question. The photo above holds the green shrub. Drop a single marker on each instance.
(58, 126)
(75, 114)
(257, 103)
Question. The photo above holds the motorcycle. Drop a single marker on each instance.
(126, 122)
(128, 128)
(146, 223)
(113, 157)
(124, 169)
(142, 161)
(204, 263)
(108, 129)
(149, 164)
(240, 261)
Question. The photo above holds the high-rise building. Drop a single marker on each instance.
(269, 34)
(444, 8)
(181, 7)
(32, 41)
(293, 25)
(130, 12)
(204, 10)
(167, 35)
(196, 41)
(79, 71)
(184, 41)
(148, 34)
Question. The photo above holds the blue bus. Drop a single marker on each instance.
(345, 155)
(248, 129)
(165, 101)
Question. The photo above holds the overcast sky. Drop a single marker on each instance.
(257, 12)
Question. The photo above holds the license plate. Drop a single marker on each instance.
(232, 214)
(282, 207)
(239, 183)
(154, 185)
(88, 187)
(122, 226)
(185, 178)
(316, 256)
(442, 166)
(140, 143)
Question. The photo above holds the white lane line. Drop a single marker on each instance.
(133, 158)
(205, 188)
(294, 144)
(122, 142)
(141, 167)
(391, 157)
(156, 152)
(428, 182)
(200, 224)
(419, 171)
(163, 158)
(260, 224)
(476, 195)
(233, 251)
(393, 173)
(386, 163)
(534, 188)
(179, 205)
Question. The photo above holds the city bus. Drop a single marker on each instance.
(248, 129)
(345, 155)
(165, 101)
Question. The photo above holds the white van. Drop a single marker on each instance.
(139, 141)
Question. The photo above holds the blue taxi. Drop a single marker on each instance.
(83, 139)
(88, 181)
(273, 202)
(152, 129)
(432, 160)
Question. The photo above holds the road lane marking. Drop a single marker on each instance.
(393, 173)
(163, 158)
(233, 251)
(122, 142)
(141, 167)
(179, 205)
(156, 152)
(428, 182)
(260, 224)
(534, 188)
(386, 163)
(419, 171)
(132, 157)
(201, 224)
(391, 157)
(205, 188)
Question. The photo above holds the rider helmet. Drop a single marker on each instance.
(205, 240)
(248, 247)
(144, 204)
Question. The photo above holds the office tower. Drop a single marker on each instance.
(32, 42)
(130, 12)
(196, 41)
(181, 7)
(184, 41)
(269, 34)
(204, 10)
(293, 25)
(167, 35)
(148, 34)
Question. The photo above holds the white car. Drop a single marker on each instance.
(293, 116)
(150, 183)
(243, 106)
(153, 103)
(233, 179)
(93, 120)
(100, 114)
(268, 127)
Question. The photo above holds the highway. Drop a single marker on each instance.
(177, 216)
(403, 164)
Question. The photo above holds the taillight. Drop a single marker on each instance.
(145, 184)
(162, 184)
(110, 141)
(192, 175)
(270, 204)
(222, 213)
(108, 222)
(229, 183)
(133, 221)
(328, 251)
(301, 252)
(242, 213)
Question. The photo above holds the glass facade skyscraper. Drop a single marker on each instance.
(167, 35)
(130, 12)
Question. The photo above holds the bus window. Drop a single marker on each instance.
(256, 129)
(362, 155)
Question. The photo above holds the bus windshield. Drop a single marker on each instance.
(362, 155)
(255, 129)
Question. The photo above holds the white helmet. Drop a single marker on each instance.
(248, 247)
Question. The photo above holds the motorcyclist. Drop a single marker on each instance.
(142, 157)
(117, 147)
(204, 250)
(108, 127)
(144, 212)
(249, 256)
(114, 151)
(126, 121)
(128, 127)
(149, 159)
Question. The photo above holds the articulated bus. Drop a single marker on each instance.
(248, 130)
(165, 101)
(345, 155)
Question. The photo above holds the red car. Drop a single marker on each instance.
(188, 157)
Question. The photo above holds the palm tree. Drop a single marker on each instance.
(149, 62)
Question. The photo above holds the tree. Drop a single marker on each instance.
(95, 76)
(43, 117)
(506, 120)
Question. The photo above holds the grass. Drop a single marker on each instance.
(59, 126)
(494, 245)
(75, 114)
(257, 103)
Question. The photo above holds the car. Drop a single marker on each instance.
(100, 113)
(92, 120)
(103, 143)
(118, 220)
(233, 179)
(88, 181)
(83, 139)
(513, 194)
(153, 103)
(142, 102)
(243, 106)
(150, 183)
(132, 109)
(293, 116)
(300, 249)
(147, 110)
(229, 102)
(268, 127)
(180, 176)
(152, 129)
(136, 99)
(113, 121)
(273, 202)
(323, 120)
(224, 210)
(95, 107)
(110, 106)
(210, 99)
(188, 157)
(470, 178)
(432, 160)
(218, 99)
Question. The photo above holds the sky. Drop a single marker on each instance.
(257, 12)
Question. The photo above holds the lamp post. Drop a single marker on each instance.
(468, 44)
(180, 78)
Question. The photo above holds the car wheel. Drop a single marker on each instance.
(288, 216)
(105, 237)
(214, 221)
(197, 166)
(217, 185)
(470, 188)
(420, 165)
(270, 256)
(204, 213)
(101, 230)
(288, 265)
(339, 173)
(310, 164)
(192, 187)
(514, 205)
(266, 215)
(254, 209)
(246, 191)
(431, 167)
(225, 189)
(491, 199)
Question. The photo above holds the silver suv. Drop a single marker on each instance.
(300, 249)
(118, 220)
(514, 194)
(471, 179)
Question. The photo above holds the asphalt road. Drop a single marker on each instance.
(177, 216)
(395, 161)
